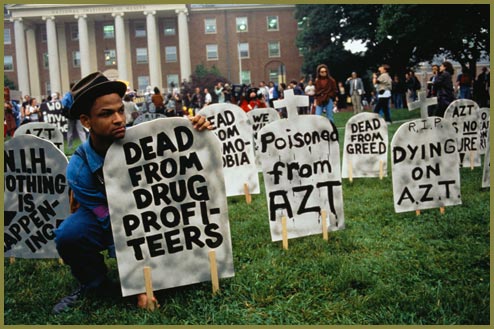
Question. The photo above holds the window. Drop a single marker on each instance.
(76, 59)
(74, 32)
(210, 25)
(45, 60)
(272, 23)
(172, 81)
(142, 82)
(108, 31)
(245, 77)
(110, 57)
(141, 55)
(243, 49)
(274, 49)
(43, 34)
(212, 52)
(169, 27)
(6, 37)
(8, 63)
(274, 75)
(242, 25)
(170, 54)
(140, 29)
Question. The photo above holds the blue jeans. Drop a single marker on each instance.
(397, 100)
(464, 92)
(329, 110)
(80, 240)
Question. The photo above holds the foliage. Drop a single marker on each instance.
(9, 83)
(204, 77)
(383, 268)
(399, 35)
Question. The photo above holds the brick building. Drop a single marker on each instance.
(46, 47)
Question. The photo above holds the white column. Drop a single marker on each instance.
(153, 58)
(83, 44)
(21, 56)
(121, 48)
(54, 67)
(32, 59)
(183, 44)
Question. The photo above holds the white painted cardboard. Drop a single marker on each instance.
(366, 145)
(301, 168)
(425, 165)
(235, 133)
(463, 115)
(43, 130)
(484, 123)
(258, 118)
(35, 196)
(167, 204)
(486, 175)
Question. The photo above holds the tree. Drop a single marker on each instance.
(399, 35)
(204, 77)
(9, 83)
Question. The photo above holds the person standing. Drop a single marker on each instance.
(383, 85)
(310, 90)
(218, 90)
(398, 90)
(464, 84)
(481, 89)
(443, 84)
(356, 89)
(74, 127)
(83, 235)
(325, 92)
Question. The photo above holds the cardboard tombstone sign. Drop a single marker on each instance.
(35, 196)
(463, 115)
(484, 122)
(43, 130)
(425, 165)
(148, 116)
(258, 118)
(301, 167)
(486, 176)
(167, 204)
(366, 146)
(235, 133)
(52, 113)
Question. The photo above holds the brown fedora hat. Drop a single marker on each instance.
(91, 87)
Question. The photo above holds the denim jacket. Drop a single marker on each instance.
(85, 178)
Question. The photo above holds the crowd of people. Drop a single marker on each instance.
(326, 96)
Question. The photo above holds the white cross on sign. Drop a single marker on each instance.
(423, 102)
(291, 102)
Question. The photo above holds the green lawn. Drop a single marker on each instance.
(384, 268)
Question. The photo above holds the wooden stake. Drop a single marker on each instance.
(324, 225)
(472, 158)
(417, 212)
(214, 271)
(12, 259)
(248, 197)
(381, 169)
(350, 171)
(149, 288)
(60, 261)
(284, 233)
(442, 210)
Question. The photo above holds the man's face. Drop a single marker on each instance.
(106, 120)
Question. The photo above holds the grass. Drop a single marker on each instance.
(384, 268)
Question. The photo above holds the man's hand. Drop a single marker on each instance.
(200, 123)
